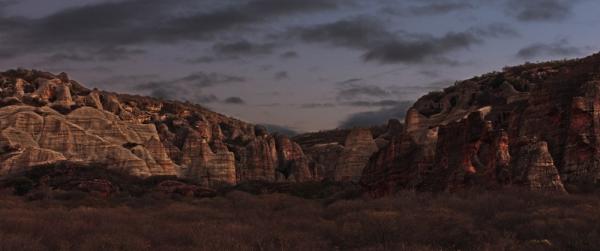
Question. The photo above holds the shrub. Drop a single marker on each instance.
(20, 185)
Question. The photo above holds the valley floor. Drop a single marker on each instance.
(509, 220)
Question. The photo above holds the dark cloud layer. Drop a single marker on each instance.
(358, 91)
(380, 117)
(190, 87)
(284, 130)
(381, 103)
(559, 48)
(118, 25)
(289, 55)
(428, 8)
(234, 101)
(439, 8)
(121, 23)
(237, 49)
(101, 54)
(540, 10)
(380, 44)
(282, 75)
(317, 105)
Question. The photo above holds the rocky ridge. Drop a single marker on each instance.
(47, 118)
(535, 125)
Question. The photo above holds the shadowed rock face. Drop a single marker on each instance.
(341, 155)
(358, 148)
(535, 125)
(46, 118)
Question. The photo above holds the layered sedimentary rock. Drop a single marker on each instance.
(342, 154)
(324, 158)
(208, 164)
(358, 148)
(47, 118)
(273, 158)
(404, 161)
(534, 167)
(534, 125)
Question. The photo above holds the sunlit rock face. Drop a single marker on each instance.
(534, 126)
(47, 118)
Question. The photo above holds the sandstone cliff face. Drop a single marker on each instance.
(340, 155)
(273, 158)
(358, 148)
(535, 167)
(47, 118)
(534, 125)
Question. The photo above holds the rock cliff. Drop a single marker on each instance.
(535, 125)
(47, 118)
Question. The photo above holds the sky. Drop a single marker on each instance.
(304, 65)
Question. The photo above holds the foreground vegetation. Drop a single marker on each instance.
(70, 207)
(236, 220)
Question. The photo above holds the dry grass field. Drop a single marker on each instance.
(510, 220)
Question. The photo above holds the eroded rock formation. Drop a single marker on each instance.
(358, 148)
(534, 125)
(341, 155)
(47, 118)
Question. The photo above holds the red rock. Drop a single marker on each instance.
(482, 122)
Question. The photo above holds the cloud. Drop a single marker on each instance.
(189, 88)
(358, 91)
(242, 48)
(6, 3)
(284, 130)
(289, 55)
(357, 32)
(558, 48)
(282, 75)
(205, 99)
(234, 101)
(135, 22)
(381, 103)
(201, 60)
(201, 79)
(102, 54)
(380, 117)
(427, 9)
(317, 105)
(379, 44)
(349, 81)
(540, 10)
(430, 73)
(439, 8)
(495, 30)
(420, 48)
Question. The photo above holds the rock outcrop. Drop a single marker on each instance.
(534, 125)
(342, 154)
(535, 167)
(47, 118)
(358, 148)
